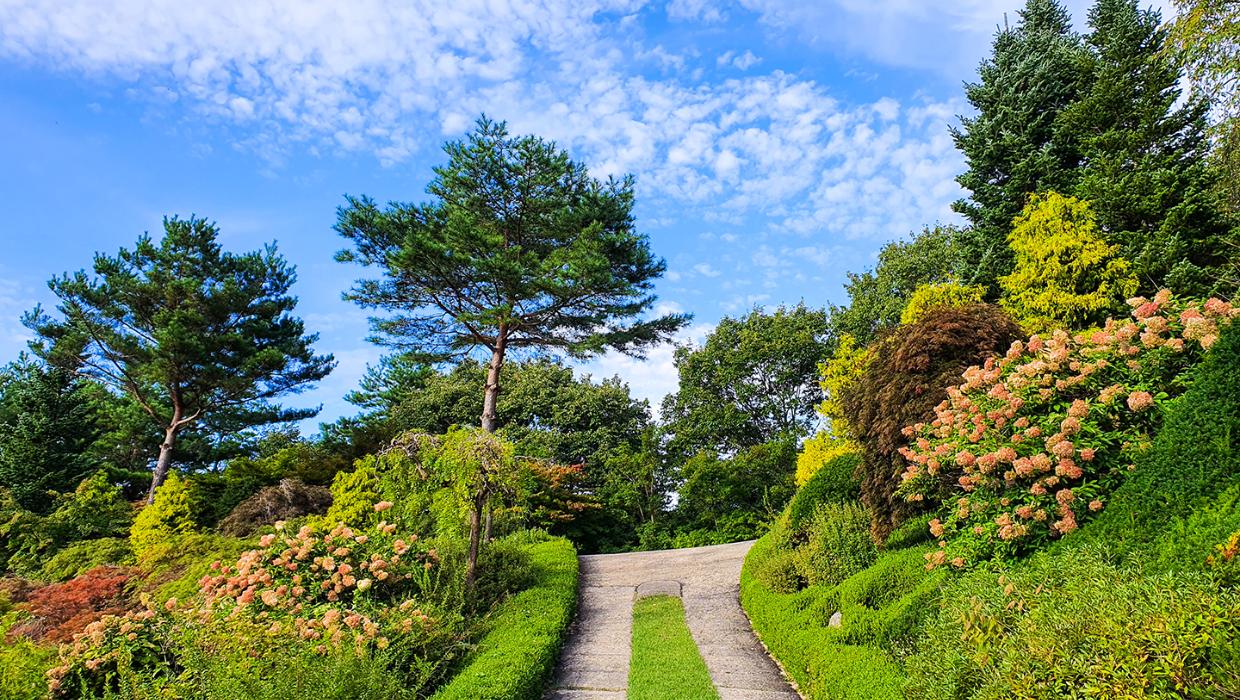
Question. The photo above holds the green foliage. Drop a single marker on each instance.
(780, 572)
(756, 482)
(935, 294)
(1065, 274)
(80, 557)
(666, 663)
(95, 509)
(1146, 169)
(880, 608)
(194, 335)
(163, 520)
(908, 376)
(22, 665)
(1015, 145)
(1074, 622)
(48, 423)
(518, 249)
(515, 659)
(354, 493)
(877, 298)
(837, 544)
(752, 382)
(1194, 458)
(833, 483)
(1198, 542)
(1032, 444)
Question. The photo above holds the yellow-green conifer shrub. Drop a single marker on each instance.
(166, 518)
(1066, 275)
(817, 451)
(932, 296)
(845, 365)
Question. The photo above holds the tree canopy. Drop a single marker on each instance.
(518, 248)
(193, 334)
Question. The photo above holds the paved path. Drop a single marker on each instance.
(595, 661)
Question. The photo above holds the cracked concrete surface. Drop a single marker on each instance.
(595, 662)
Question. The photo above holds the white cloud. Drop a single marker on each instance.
(371, 76)
(705, 270)
(655, 376)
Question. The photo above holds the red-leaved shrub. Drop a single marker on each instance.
(61, 610)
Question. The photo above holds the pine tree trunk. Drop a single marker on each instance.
(165, 461)
(490, 415)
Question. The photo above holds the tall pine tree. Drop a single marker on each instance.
(1014, 146)
(1145, 155)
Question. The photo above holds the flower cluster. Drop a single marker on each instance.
(1031, 443)
(345, 588)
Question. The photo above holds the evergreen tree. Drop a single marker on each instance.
(519, 249)
(1146, 170)
(48, 423)
(1014, 146)
(196, 336)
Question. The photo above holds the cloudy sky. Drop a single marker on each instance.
(777, 144)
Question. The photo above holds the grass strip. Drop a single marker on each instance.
(666, 664)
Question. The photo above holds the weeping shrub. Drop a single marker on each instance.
(909, 373)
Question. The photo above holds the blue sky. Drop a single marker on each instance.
(777, 144)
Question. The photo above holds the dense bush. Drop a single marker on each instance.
(1033, 443)
(1072, 623)
(524, 635)
(749, 487)
(169, 516)
(85, 555)
(291, 498)
(937, 294)
(1193, 459)
(911, 368)
(832, 483)
(95, 509)
(817, 451)
(837, 544)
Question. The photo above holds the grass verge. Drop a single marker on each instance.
(666, 664)
(515, 658)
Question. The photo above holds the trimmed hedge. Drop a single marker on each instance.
(1194, 459)
(515, 659)
(832, 483)
(881, 608)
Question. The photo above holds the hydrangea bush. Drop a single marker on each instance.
(364, 589)
(1031, 443)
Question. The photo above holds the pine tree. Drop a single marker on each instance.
(1014, 146)
(1145, 168)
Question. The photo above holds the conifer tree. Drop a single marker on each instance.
(1014, 146)
(1146, 169)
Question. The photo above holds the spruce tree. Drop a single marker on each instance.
(1013, 145)
(1145, 155)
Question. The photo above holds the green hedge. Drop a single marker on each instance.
(832, 483)
(515, 659)
(881, 607)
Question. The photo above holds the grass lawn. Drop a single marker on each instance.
(666, 664)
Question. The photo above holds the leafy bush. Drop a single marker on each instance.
(846, 364)
(817, 452)
(780, 572)
(516, 657)
(61, 610)
(936, 294)
(503, 568)
(95, 509)
(1033, 443)
(833, 483)
(750, 486)
(838, 544)
(1072, 622)
(909, 373)
(1193, 459)
(22, 665)
(355, 492)
(289, 499)
(1066, 275)
(167, 517)
(80, 557)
